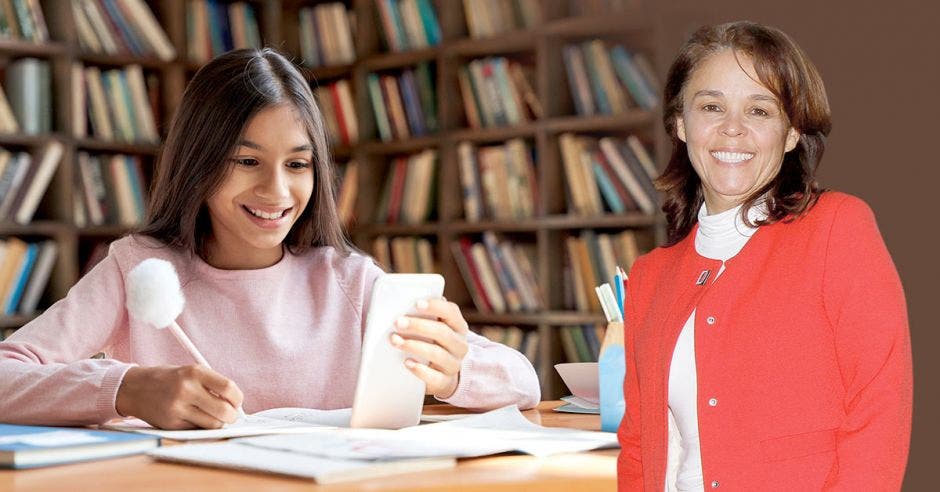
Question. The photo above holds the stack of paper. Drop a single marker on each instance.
(338, 454)
(582, 379)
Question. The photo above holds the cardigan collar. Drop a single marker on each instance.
(722, 235)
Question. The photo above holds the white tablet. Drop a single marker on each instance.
(388, 395)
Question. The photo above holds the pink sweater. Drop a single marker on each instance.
(289, 335)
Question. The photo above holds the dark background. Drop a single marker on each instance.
(880, 62)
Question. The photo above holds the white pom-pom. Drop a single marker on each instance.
(154, 295)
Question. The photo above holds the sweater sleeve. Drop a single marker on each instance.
(865, 304)
(630, 461)
(493, 375)
(46, 374)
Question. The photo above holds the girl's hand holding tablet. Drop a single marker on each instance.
(440, 339)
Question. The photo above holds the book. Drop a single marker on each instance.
(26, 446)
(36, 188)
(45, 260)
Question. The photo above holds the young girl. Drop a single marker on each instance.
(242, 206)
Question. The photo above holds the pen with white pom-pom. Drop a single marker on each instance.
(155, 297)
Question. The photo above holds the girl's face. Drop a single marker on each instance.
(268, 187)
(734, 130)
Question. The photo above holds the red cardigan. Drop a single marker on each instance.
(802, 351)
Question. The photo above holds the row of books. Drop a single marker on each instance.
(581, 343)
(118, 102)
(592, 260)
(525, 341)
(109, 189)
(28, 84)
(24, 20)
(607, 175)
(499, 274)
(606, 80)
(497, 92)
(24, 272)
(490, 17)
(408, 195)
(339, 112)
(405, 254)
(347, 188)
(120, 27)
(326, 35)
(498, 181)
(24, 180)
(214, 27)
(408, 24)
(403, 105)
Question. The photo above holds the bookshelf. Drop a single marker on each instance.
(537, 47)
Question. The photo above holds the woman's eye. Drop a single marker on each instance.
(711, 108)
(246, 161)
(298, 165)
(760, 112)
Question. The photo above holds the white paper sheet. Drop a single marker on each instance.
(273, 421)
(498, 431)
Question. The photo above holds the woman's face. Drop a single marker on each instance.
(268, 187)
(734, 130)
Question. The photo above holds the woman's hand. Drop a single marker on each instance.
(440, 339)
(179, 397)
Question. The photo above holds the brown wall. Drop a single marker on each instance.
(881, 65)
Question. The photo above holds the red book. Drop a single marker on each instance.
(622, 192)
(399, 170)
(340, 117)
(464, 253)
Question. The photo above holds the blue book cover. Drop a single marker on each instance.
(21, 278)
(26, 446)
(429, 20)
(409, 94)
(607, 188)
(130, 37)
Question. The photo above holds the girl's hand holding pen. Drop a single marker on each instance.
(440, 338)
(179, 397)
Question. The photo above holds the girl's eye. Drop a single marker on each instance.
(711, 108)
(298, 165)
(247, 162)
(760, 112)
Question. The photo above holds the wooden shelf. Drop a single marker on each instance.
(502, 44)
(39, 228)
(396, 229)
(319, 74)
(104, 231)
(122, 59)
(398, 146)
(496, 134)
(635, 119)
(539, 318)
(401, 59)
(19, 48)
(27, 140)
(141, 148)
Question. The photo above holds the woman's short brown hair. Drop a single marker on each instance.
(217, 105)
(787, 72)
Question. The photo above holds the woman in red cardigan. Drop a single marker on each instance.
(772, 327)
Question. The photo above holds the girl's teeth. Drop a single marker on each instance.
(265, 215)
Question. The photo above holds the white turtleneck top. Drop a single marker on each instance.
(719, 237)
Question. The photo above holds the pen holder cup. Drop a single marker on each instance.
(611, 368)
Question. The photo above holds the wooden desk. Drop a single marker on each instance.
(563, 473)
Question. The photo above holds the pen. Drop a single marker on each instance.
(194, 352)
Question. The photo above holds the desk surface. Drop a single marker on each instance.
(563, 473)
